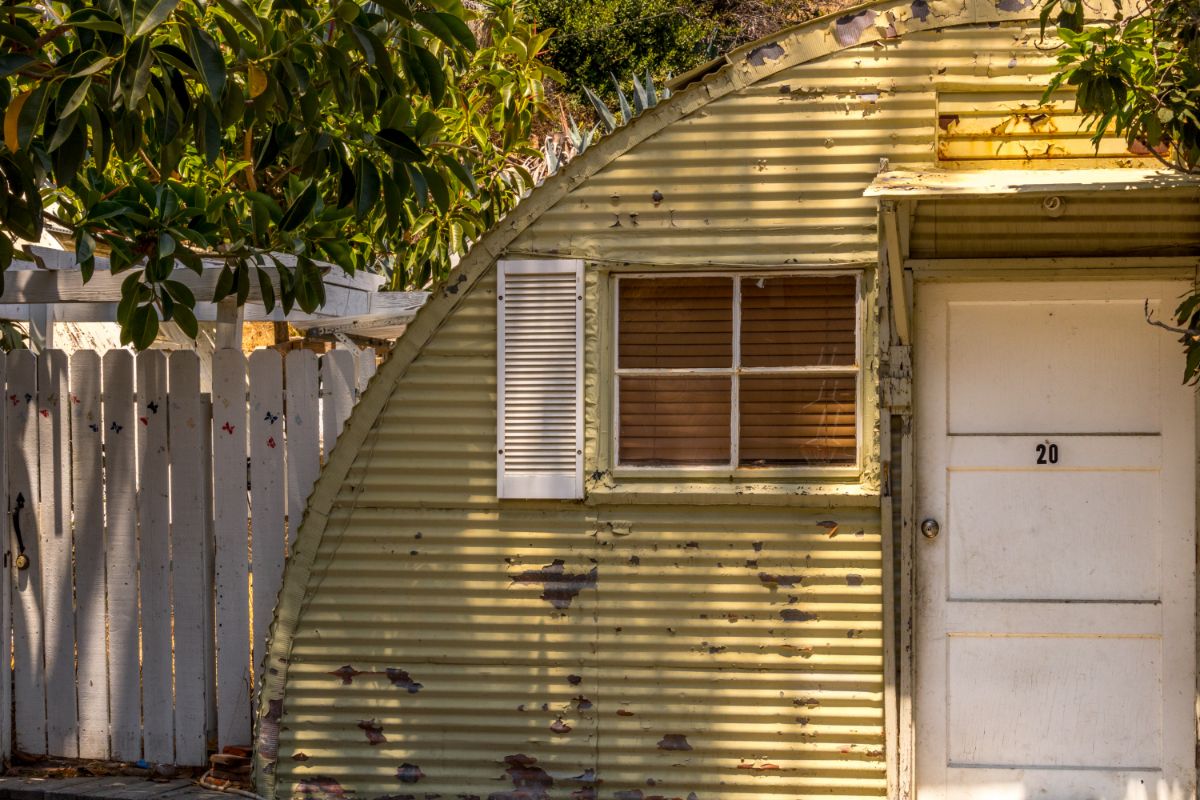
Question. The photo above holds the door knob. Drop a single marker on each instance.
(930, 528)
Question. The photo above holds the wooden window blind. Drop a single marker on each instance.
(737, 371)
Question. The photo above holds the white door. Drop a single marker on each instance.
(1056, 602)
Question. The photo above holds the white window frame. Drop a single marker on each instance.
(735, 371)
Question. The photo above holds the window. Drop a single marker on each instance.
(737, 371)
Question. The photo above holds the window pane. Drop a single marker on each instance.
(675, 420)
(796, 419)
(798, 321)
(673, 323)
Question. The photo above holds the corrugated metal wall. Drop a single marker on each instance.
(453, 646)
(637, 645)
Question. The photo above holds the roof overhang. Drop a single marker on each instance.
(932, 184)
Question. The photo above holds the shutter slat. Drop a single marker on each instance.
(539, 386)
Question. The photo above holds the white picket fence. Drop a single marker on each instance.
(155, 519)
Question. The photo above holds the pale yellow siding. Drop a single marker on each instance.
(673, 638)
(733, 652)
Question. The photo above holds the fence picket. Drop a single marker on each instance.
(87, 489)
(303, 431)
(267, 486)
(54, 527)
(154, 542)
(229, 518)
(337, 390)
(29, 688)
(136, 630)
(191, 559)
(121, 549)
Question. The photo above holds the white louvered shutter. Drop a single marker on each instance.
(540, 380)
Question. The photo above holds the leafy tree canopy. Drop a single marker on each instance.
(1140, 77)
(160, 132)
(1139, 74)
(595, 40)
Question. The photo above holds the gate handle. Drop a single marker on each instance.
(22, 560)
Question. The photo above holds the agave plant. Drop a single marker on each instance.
(646, 95)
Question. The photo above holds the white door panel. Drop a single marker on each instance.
(1055, 642)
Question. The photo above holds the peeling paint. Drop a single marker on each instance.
(854, 579)
(830, 526)
(796, 615)
(530, 782)
(628, 794)
(402, 679)
(574, 680)
(848, 29)
(560, 586)
(674, 741)
(772, 51)
(1013, 6)
(409, 773)
(582, 703)
(300, 757)
(373, 730)
(560, 727)
(774, 581)
(920, 10)
(318, 787)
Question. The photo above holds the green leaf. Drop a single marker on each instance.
(186, 320)
(447, 27)
(152, 13)
(245, 16)
(367, 181)
(143, 326)
(180, 292)
(401, 145)
(267, 290)
(225, 284)
(606, 116)
(300, 208)
(208, 59)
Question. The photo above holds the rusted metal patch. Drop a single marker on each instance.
(346, 674)
(559, 586)
(796, 615)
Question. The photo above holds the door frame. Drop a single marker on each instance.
(898, 363)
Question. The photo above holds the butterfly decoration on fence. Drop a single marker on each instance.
(271, 418)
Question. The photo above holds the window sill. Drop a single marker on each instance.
(659, 489)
